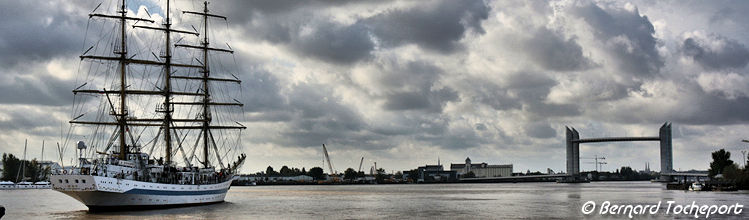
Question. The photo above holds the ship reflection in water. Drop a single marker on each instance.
(484, 201)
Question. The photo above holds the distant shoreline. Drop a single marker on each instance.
(459, 182)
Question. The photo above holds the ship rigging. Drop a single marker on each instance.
(188, 101)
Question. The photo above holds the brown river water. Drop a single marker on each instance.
(412, 201)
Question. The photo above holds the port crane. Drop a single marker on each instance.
(596, 158)
(360, 163)
(327, 158)
(332, 173)
(373, 169)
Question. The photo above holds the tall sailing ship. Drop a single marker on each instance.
(137, 112)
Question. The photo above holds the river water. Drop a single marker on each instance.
(423, 201)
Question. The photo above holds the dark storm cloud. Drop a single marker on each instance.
(286, 22)
(494, 96)
(550, 50)
(539, 130)
(245, 11)
(734, 12)
(437, 26)
(412, 123)
(480, 127)
(432, 100)
(711, 108)
(530, 85)
(36, 121)
(325, 40)
(36, 31)
(730, 54)
(628, 36)
(335, 43)
(693, 107)
(455, 139)
(432, 128)
(719, 111)
(261, 92)
(24, 89)
(544, 110)
(318, 117)
(527, 91)
(413, 86)
(532, 89)
(524, 95)
(24, 120)
(269, 116)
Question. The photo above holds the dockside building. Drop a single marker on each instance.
(482, 169)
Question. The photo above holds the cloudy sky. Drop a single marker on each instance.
(403, 83)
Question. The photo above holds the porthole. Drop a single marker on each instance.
(66, 181)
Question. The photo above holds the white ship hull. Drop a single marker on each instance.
(106, 193)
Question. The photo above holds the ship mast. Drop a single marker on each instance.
(167, 107)
(167, 87)
(123, 60)
(123, 81)
(166, 123)
(122, 121)
(206, 98)
(206, 102)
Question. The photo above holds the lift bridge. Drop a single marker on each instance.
(573, 156)
(666, 152)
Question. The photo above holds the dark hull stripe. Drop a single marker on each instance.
(175, 193)
(93, 208)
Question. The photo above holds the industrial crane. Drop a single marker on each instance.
(373, 169)
(596, 158)
(327, 158)
(360, 163)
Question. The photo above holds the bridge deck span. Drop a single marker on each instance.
(685, 174)
(615, 139)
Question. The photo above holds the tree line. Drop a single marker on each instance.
(730, 171)
(350, 175)
(318, 173)
(314, 172)
(32, 170)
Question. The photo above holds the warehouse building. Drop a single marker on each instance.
(482, 169)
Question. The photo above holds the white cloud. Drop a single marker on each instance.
(730, 85)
